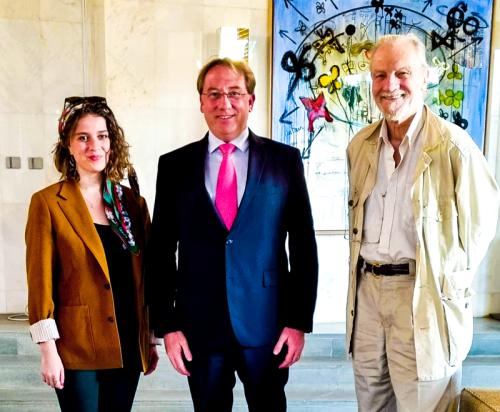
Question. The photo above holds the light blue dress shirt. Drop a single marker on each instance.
(214, 159)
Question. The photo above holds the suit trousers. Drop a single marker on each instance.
(384, 357)
(212, 379)
(100, 390)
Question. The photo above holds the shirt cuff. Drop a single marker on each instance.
(44, 330)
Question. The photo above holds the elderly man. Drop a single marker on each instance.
(423, 208)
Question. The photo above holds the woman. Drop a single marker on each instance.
(85, 240)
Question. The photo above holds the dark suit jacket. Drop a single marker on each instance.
(240, 281)
(68, 277)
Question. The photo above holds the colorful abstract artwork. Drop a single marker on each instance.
(321, 86)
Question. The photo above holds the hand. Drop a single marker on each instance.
(153, 360)
(294, 340)
(176, 345)
(51, 365)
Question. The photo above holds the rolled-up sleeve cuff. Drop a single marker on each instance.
(44, 330)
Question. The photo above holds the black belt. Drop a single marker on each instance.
(387, 270)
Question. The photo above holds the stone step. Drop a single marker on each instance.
(321, 374)
(15, 340)
(481, 372)
(315, 385)
(44, 400)
(319, 393)
(309, 374)
(325, 345)
(486, 339)
(324, 374)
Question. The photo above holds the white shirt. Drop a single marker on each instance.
(389, 227)
(214, 159)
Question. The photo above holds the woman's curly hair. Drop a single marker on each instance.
(118, 165)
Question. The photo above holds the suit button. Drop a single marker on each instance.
(107, 286)
(351, 202)
(111, 319)
(355, 231)
(229, 242)
(352, 313)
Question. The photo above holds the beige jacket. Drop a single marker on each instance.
(455, 207)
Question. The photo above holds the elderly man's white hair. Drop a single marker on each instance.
(410, 38)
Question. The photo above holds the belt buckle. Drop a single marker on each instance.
(374, 266)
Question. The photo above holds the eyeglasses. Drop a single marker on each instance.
(76, 100)
(232, 96)
(73, 103)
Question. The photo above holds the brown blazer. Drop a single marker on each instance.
(68, 277)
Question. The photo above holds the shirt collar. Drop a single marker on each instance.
(412, 132)
(241, 142)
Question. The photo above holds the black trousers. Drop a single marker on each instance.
(106, 390)
(213, 378)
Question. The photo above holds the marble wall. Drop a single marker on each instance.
(41, 62)
(154, 50)
(143, 55)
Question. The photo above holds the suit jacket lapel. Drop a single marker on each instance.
(256, 160)
(200, 155)
(73, 206)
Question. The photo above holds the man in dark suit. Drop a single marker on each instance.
(232, 300)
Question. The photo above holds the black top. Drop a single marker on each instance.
(122, 286)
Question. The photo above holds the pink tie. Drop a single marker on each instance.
(226, 194)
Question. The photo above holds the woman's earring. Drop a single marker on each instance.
(72, 167)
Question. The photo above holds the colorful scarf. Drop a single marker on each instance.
(118, 217)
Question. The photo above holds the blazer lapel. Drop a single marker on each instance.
(73, 206)
(256, 160)
(200, 155)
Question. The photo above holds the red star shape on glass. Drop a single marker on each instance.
(316, 108)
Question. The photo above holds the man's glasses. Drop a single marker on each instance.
(232, 96)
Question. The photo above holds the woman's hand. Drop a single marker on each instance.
(51, 366)
(153, 360)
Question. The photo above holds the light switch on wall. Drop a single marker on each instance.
(13, 162)
(35, 162)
